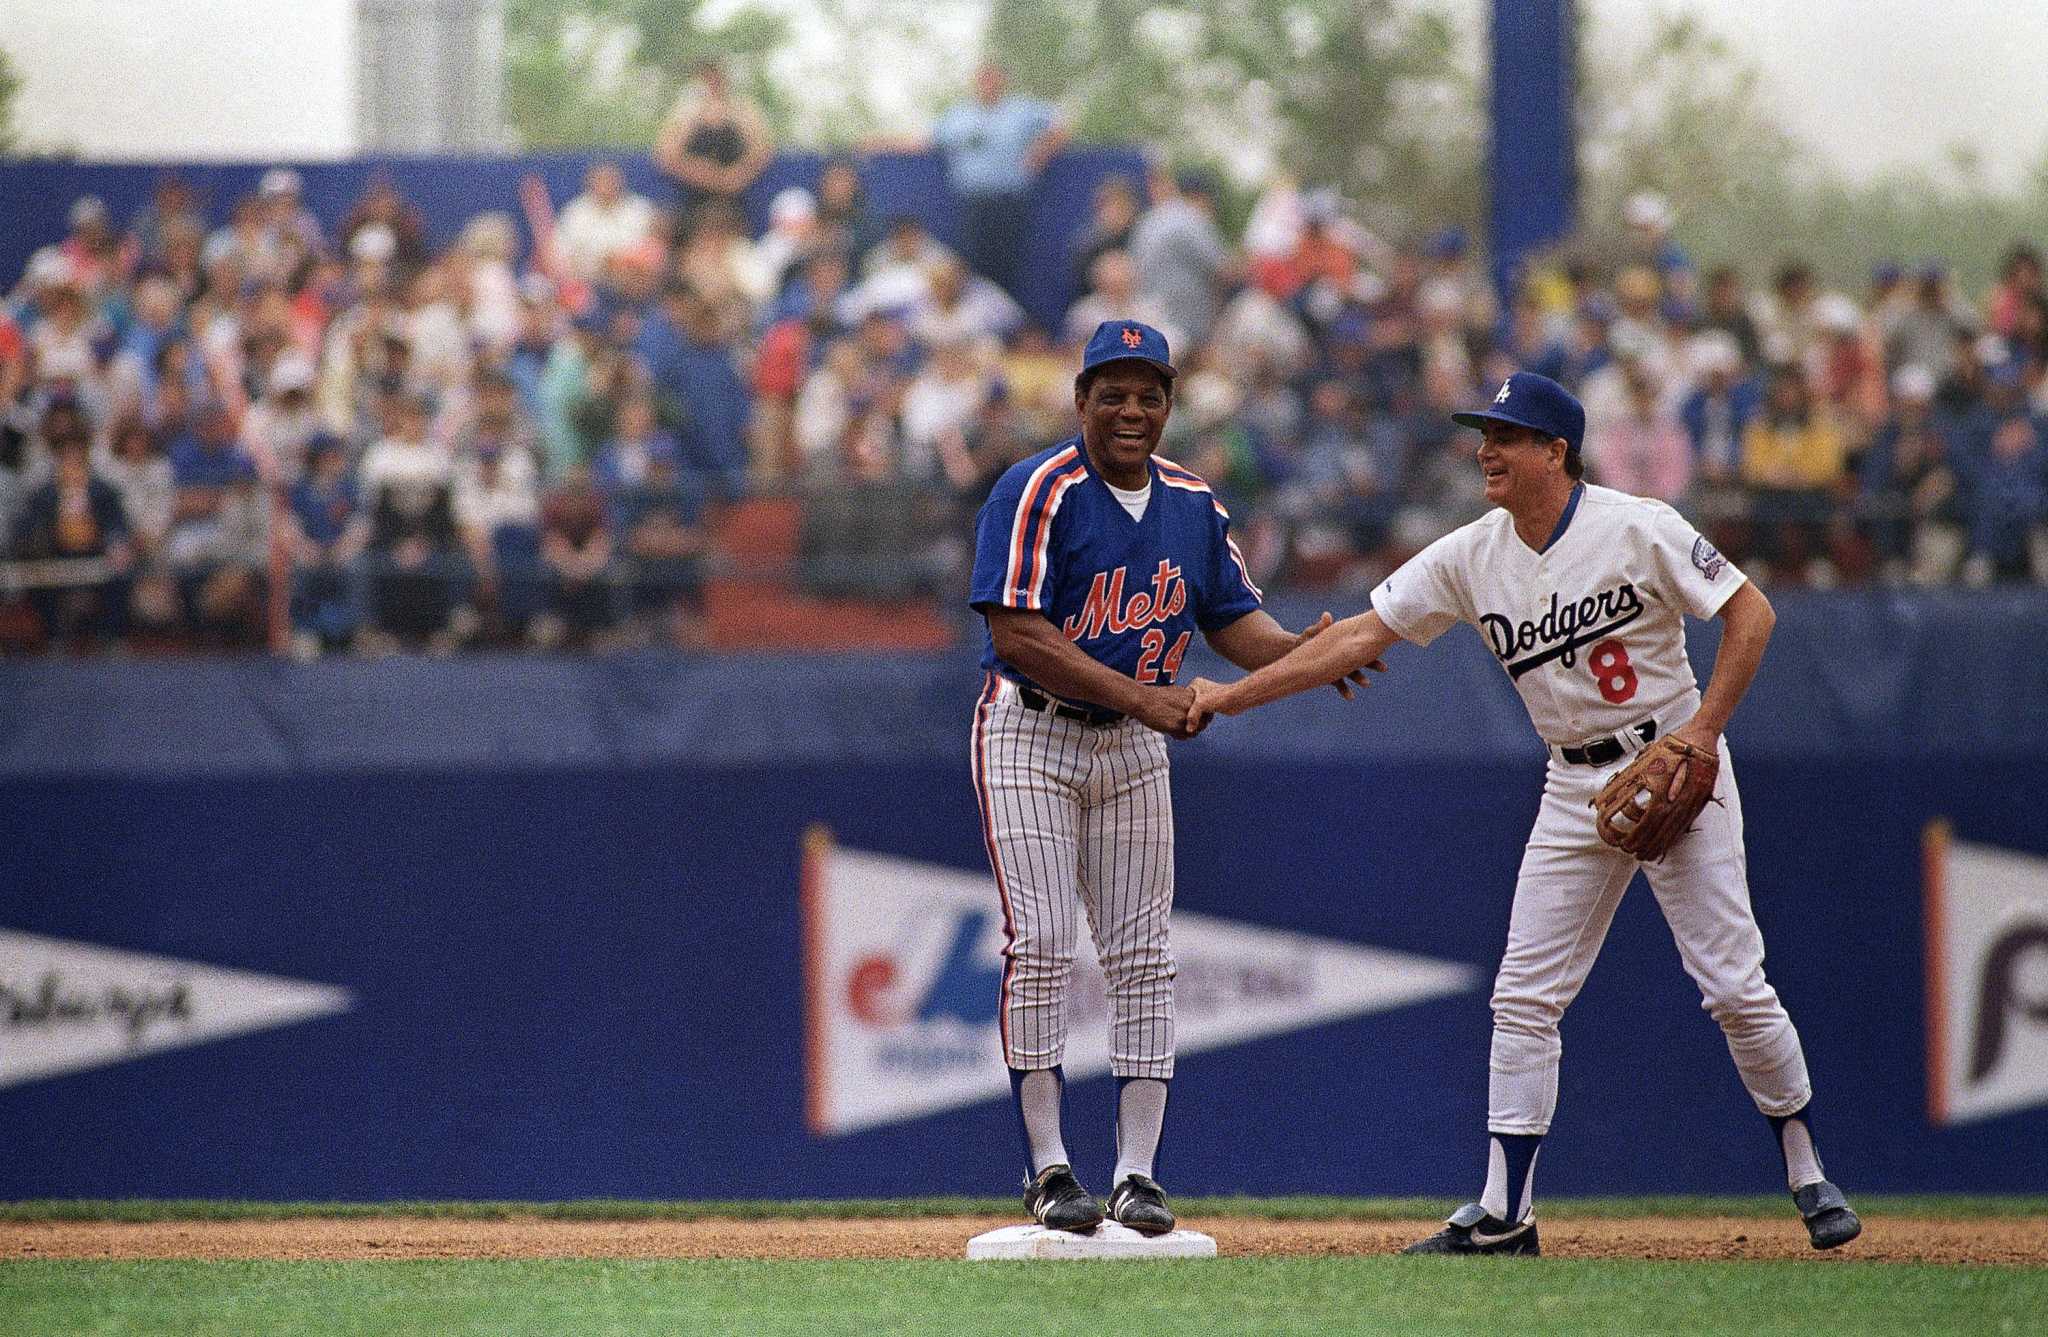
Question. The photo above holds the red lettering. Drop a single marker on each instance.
(1093, 614)
(1140, 610)
(1118, 623)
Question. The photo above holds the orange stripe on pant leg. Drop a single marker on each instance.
(986, 802)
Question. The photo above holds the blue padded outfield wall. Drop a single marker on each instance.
(551, 928)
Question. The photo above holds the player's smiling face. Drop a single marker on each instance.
(1517, 462)
(1122, 415)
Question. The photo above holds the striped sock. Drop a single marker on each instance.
(1795, 1142)
(1511, 1175)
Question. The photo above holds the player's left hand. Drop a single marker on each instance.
(1343, 684)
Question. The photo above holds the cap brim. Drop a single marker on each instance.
(1478, 418)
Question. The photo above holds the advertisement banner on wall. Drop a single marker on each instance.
(68, 1006)
(903, 961)
(1987, 979)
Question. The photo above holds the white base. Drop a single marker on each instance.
(1108, 1240)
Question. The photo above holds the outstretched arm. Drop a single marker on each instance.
(1746, 622)
(1349, 645)
(1256, 640)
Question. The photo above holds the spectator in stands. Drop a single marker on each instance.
(1113, 213)
(418, 578)
(292, 225)
(564, 386)
(2009, 500)
(1112, 294)
(1926, 332)
(277, 429)
(895, 275)
(660, 523)
(2019, 286)
(381, 206)
(1794, 458)
(700, 370)
(93, 250)
(939, 402)
(717, 263)
(1643, 449)
(141, 475)
(844, 223)
(960, 307)
(1648, 216)
(171, 206)
(606, 220)
(1911, 502)
(995, 145)
(484, 287)
(1337, 500)
(1181, 258)
(792, 238)
(1716, 414)
(328, 535)
(576, 548)
(636, 439)
(497, 509)
(714, 144)
(75, 524)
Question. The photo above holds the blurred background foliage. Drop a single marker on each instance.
(1383, 99)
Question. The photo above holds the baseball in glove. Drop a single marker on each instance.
(1651, 802)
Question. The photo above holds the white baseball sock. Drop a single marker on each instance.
(1510, 1193)
(1038, 1104)
(1140, 1115)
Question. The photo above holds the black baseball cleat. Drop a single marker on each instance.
(1472, 1229)
(1140, 1204)
(1057, 1201)
(1830, 1222)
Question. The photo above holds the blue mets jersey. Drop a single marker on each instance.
(1131, 593)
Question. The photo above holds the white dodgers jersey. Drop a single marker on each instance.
(1591, 629)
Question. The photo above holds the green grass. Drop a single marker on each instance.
(1319, 1296)
(1299, 1208)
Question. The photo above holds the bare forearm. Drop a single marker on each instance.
(1253, 641)
(1036, 649)
(1349, 645)
(1746, 624)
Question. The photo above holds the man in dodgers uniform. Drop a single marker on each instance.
(1581, 593)
(1095, 563)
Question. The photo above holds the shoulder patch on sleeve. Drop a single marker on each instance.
(1709, 560)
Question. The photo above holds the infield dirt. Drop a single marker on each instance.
(2021, 1241)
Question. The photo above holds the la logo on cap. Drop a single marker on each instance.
(1132, 338)
(1505, 387)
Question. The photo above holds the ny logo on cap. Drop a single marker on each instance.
(1505, 387)
(1132, 338)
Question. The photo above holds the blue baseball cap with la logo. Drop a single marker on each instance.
(1528, 400)
(1127, 341)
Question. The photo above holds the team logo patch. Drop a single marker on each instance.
(1507, 388)
(1707, 558)
(1132, 338)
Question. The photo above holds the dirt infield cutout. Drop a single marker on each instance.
(2016, 1241)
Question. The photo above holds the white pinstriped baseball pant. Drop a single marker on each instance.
(1078, 816)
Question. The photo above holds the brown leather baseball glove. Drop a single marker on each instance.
(1652, 801)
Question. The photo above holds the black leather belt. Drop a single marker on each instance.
(1035, 700)
(1601, 751)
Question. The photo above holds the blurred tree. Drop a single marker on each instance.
(606, 71)
(1373, 96)
(10, 85)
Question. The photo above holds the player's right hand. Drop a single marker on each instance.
(1172, 711)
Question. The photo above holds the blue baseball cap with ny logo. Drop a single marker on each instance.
(1127, 341)
(1528, 400)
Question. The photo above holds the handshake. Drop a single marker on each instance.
(1183, 712)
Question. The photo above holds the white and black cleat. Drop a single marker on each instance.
(1140, 1203)
(1830, 1221)
(1472, 1229)
(1057, 1201)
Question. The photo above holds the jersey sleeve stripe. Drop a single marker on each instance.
(1033, 592)
(1244, 572)
(1036, 489)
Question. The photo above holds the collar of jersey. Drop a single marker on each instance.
(1151, 467)
(1564, 522)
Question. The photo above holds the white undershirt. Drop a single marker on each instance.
(1133, 500)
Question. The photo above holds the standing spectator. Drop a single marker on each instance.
(1180, 254)
(381, 206)
(2019, 284)
(329, 531)
(1793, 457)
(1911, 504)
(701, 371)
(75, 520)
(606, 220)
(714, 144)
(995, 145)
(1642, 449)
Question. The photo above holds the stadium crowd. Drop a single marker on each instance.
(526, 437)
